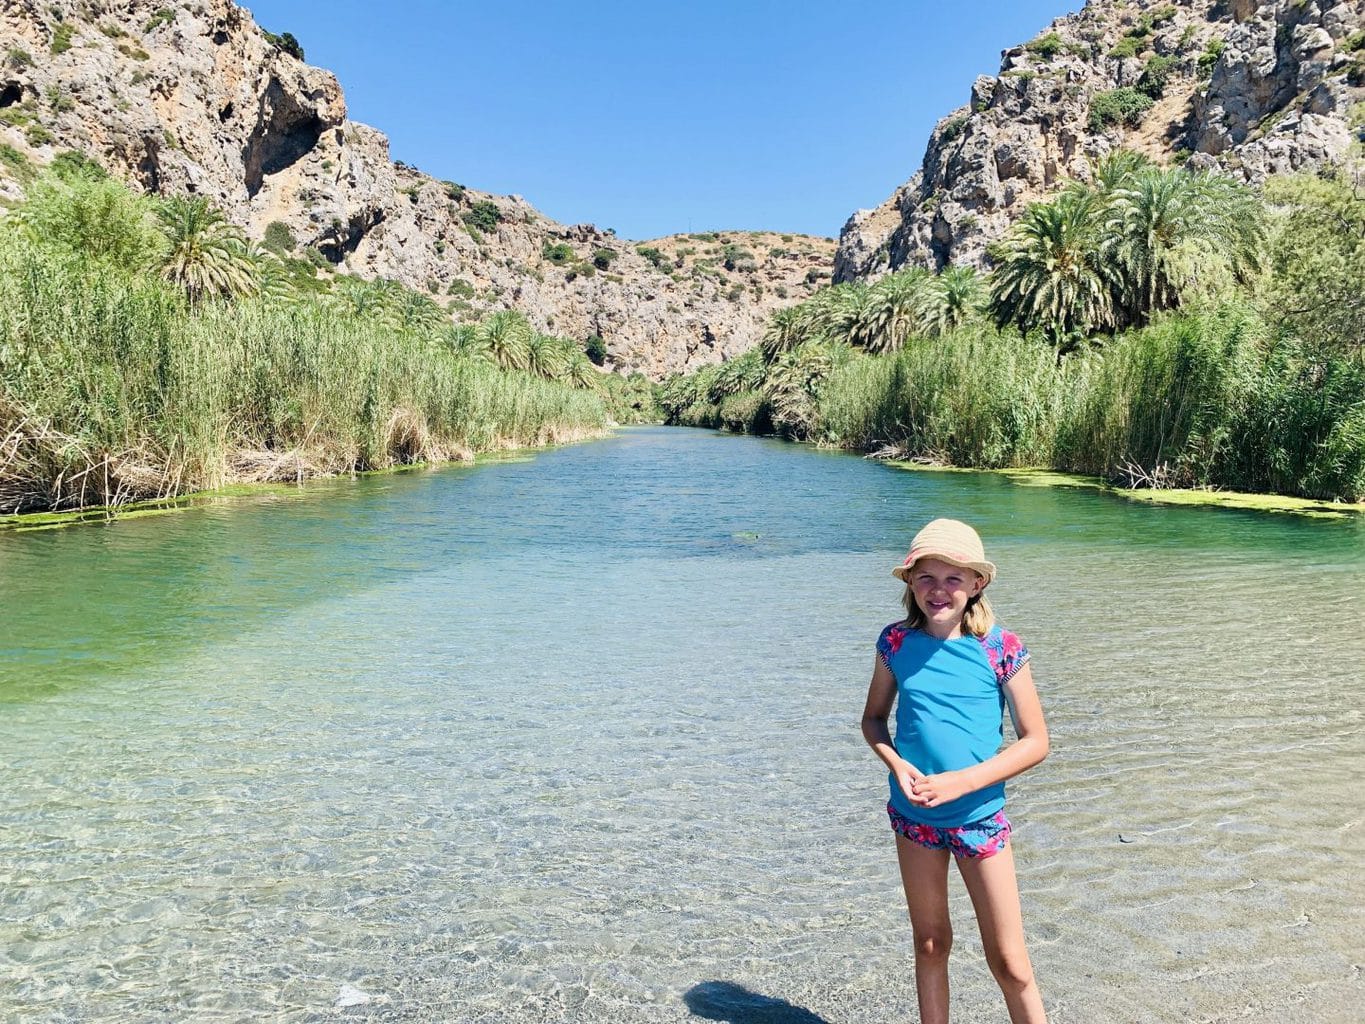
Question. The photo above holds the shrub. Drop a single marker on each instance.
(483, 216)
(18, 57)
(59, 100)
(1209, 58)
(653, 254)
(952, 128)
(732, 256)
(595, 349)
(286, 42)
(71, 164)
(558, 253)
(37, 135)
(61, 37)
(1156, 74)
(1128, 46)
(454, 192)
(163, 16)
(1118, 106)
(278, 238)
(15, 162)
(601, 258)
(1047, 46)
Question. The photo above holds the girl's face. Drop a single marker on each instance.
(942, 591)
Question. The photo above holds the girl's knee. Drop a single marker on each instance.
(933, 944)
(1012, 971)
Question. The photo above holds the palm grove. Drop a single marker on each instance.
(147, 349)
(1152, 326)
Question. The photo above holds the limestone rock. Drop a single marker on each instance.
(1278, 98)
(196, 98)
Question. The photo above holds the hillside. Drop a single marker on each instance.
(1251, 89)
(197, 98)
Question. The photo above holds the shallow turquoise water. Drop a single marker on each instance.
(576, 738)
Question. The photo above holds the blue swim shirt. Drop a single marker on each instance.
(950, 706)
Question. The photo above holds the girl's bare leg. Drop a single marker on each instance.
(995, 895)
(924, 873)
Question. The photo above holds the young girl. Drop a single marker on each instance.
(949, 671)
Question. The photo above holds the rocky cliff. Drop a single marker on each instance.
(196, 98)
(1251, 89)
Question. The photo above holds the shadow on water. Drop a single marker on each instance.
(726, 1001)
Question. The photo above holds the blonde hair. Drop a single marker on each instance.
(976, 620)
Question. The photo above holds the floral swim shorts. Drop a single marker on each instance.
(979, 839)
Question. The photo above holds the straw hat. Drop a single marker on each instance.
(949, 541)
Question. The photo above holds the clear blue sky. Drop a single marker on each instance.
(652, 117)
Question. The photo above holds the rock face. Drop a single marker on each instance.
(196, 98)
(1251, 89)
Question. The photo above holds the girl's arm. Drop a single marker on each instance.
(881, 697)
(1028, 750)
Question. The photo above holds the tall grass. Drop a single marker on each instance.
(112, 388)
(1216, 399)
(972, 398)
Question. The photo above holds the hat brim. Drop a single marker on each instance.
(986, 570)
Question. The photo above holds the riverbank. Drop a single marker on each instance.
(256, 490)
(1278, 503)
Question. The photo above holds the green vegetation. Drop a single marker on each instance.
(558, 253)
(1047, 46)
(952, 128)
(147, 350)
(279, 239)
(61, 37)
(1209, 58)
(483, 216)
(1156, 74)
(284, 42)
(15, 163)
(163, 16)
(1128, 46)
(1118, 106)
(601, 258)
(655, 256)
(1154, 328)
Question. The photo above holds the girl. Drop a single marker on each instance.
(949, 671)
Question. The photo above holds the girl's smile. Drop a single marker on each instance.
(942, 591)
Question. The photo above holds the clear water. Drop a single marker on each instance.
(575, 739)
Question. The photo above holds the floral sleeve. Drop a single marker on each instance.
(1006, 653)
(890, 642)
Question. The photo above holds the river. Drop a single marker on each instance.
(575, 738)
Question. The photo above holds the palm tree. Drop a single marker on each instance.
(1117, 168)
(783, 333)
(580, 372)
(417, 312)
(468, 341)
(545, 356)
(895, 310)
(952, 298)
(743, 373)
(507, 337)
(1053, 275)
(373, 301)
(1167, 228)
(206, 256)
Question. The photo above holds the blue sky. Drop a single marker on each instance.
(654, 118)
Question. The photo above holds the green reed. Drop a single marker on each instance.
(112, 388)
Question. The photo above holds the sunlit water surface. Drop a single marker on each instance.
(575, 739)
